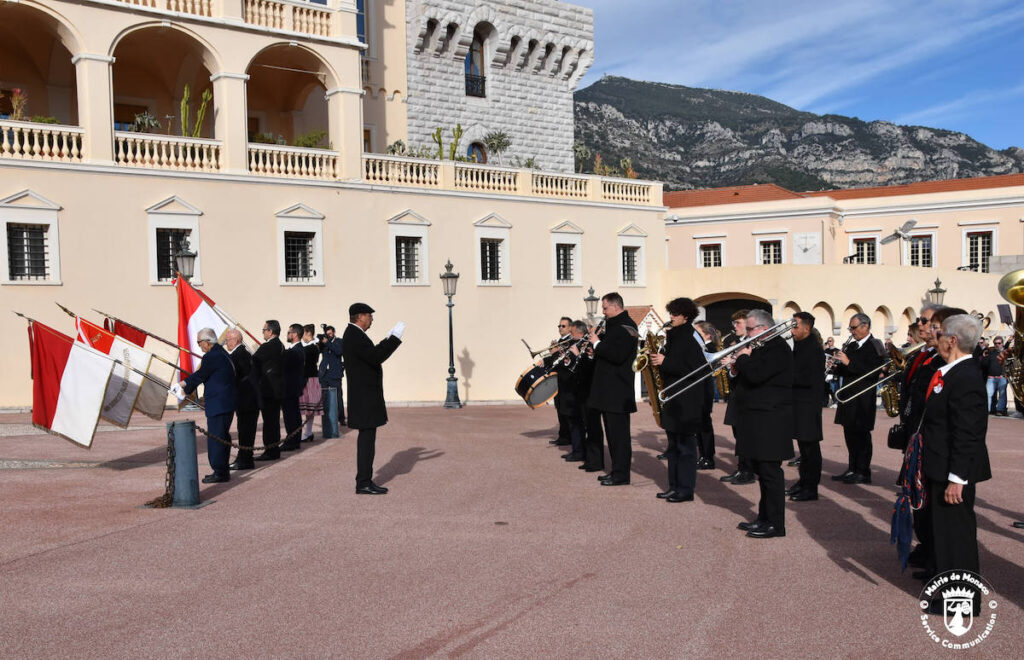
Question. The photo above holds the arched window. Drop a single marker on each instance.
(475, 68)
(476, 153)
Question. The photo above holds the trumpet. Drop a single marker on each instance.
(896, 364)
(716, 361)
(561, 344)
(581, 344)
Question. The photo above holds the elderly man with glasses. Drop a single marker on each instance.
(857, 417)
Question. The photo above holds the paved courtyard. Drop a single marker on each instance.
(488, 546)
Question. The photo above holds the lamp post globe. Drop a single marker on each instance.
(591, 302)
(449, 283)
(937, 294)
(185, 260)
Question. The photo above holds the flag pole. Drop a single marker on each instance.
(149, 334)
(153, 355)
(222, 313)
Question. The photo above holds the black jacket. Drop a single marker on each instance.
(331, 369)
(808, 389)
(248, 401)
(860, 413)
(764, 389)
(954, 427)
(568, 400)
(915, 389)
(612, 389)
(268, 369)
(294, 371)
(218, 376)
(363, 360)
(311, 354)
(683, 413)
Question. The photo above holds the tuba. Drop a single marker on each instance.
(1011, 288)
(649, 345)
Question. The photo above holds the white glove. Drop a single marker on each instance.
(398, 329)
(177, 392)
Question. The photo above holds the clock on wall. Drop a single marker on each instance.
(807, 248)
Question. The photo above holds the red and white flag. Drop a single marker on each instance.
(68, 384)
(195, 312)
(126, 381)
(122, 329)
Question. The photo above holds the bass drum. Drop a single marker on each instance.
(536, 386)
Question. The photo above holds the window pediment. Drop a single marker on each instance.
(300, 211)
(632, 230)
(174, 205)
(493, 220)
(566, 228)
(26, 199)
(409, 217)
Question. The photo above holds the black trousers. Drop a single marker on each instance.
(564, 430)
(954, 530)
(742, 464)
(772, 506)
(271, 414)
(706, 443)
(682, 462)
(858, 446)
(810, 465)
(216, 452)
(620, 446)
(593, 443)
(366, 449)
(292, 419)
(246, 428)
(577, 432)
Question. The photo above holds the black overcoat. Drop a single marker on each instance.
(683, 413)
(808, 389)
(294, 368)
(311, 358)
(248, 401)
(363, 360)
(268, 369)
(764, 423)
(954, 427)
(613, 389)
(859, 414)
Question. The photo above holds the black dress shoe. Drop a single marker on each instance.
(844, 475)
(216, 478)
(614, 482)
(794, 462)
(558, 442)
(743, 478)
(267, 456)
(804, 496)
(241, 465)
(679, 497)
(794, 489)
(857, 479)
(602, 477)
(730, 477)
(661, 457)
(705, 464)
(587, 468)
(572, 458)
(753, 524)
(766, 532)
(665, 495)
(291, 445)
(1019, 525)
(371, 489)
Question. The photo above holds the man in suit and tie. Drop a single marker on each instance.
(248, 408)
(857, 417)
(294, 382)
(220, 396)
(366, 408)
(268, 374)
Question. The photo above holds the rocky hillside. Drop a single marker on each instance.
(702, 138)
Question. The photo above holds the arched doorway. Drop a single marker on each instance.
(286, 98)
(37, 79)
(719, 308)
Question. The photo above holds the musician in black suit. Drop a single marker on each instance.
(955, 458)
(612, 393)
(857, 417)
(366, 409)
(706, 446)
(764, 388)
(568, 400)
(268, 374)
(551, 362)
(744, 473)
(248, 408)
(808, 392)
(294, 382)
(682, 415)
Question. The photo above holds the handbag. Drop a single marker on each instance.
(898, 437)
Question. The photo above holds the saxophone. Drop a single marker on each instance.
(649, 345)
(891, 398)
(721, 377)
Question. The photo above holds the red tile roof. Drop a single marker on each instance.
(732, 195)
(639, 312)
(924, 187)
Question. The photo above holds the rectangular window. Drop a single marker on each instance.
(711, 255)
(921, 251)
(298, 256)
(167, 243)
(361, 20)
(864, 251)
(28, 255)
(407, 258)
(979, 249)
(367, 141)
(490, 259)
(629, 263)
(771, 252)
(564, 262)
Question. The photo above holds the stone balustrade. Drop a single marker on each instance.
(391, 170)
(292, 162)
(482, 178)
(285, 15)
(166, 152)
(32, 141)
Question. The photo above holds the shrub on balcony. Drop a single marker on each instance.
(44, 119)
(312, 140)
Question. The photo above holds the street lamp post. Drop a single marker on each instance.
(449, 281)
(938, 294)
(185, 260)
(591, 302)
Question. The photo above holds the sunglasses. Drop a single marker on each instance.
(853, 327)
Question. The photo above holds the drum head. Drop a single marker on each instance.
(542, 391)
(527, 379)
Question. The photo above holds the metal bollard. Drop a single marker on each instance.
(330, 418)
(186, 465)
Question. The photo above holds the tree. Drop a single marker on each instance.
(497, 142)
(582, 155)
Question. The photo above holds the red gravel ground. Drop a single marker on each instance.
(487, 546)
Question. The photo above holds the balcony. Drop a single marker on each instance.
(292, 162)
(164, 152)
(284, 15)
(47, 142)
(476, 86)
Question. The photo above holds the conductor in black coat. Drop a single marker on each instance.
(808, 393)
(764, 387)
(857, 417)
(955, 458)
(612, 392)
(268, 375)
(681, 416)
(366, 409)
(248, 408)
(294, 382)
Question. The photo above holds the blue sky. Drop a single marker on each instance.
(949, 64)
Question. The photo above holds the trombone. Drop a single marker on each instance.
(715, 360)
(561, 344)
(898, 359)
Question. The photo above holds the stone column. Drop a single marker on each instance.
(345, 119)
(95, 109)
(230, 121)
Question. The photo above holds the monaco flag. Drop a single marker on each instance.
(68, 383)
(126, 381)
(195, 312)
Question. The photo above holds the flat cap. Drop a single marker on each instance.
(359, 308)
